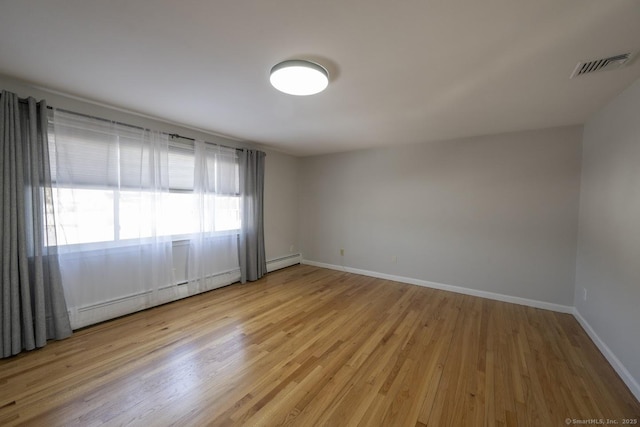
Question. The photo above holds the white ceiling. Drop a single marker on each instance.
(401, 71)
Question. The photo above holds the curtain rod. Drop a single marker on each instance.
(172, 135)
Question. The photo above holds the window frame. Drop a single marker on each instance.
(117, 242)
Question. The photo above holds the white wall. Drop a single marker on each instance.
(493, 213)
(280, 205)
(608, 260)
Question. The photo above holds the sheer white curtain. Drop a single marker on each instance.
(212, 252)
(111, 192)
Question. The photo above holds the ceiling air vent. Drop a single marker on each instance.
(610, 63)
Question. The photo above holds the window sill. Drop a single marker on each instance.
(177, 240)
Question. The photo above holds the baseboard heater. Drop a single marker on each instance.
(283, 262)
(115, 307)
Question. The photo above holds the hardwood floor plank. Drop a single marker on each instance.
(309, 346)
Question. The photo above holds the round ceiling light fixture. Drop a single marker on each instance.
(299, 77)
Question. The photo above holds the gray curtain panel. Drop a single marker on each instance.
(253, 264)
(33, 308)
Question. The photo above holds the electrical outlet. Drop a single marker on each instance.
(584, 293)
(341, 252)
(394, 259)
(291, 249)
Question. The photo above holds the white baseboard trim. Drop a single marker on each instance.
(617, 365)
(457, 289)
(283, 262)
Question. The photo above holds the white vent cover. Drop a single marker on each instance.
(603, 64)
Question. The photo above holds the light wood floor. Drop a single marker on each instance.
(308, 346)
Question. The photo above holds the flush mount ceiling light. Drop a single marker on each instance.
(299, 77)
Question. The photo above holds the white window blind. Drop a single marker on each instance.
(116, 182)
(181, 167)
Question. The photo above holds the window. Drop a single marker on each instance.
(115, 184)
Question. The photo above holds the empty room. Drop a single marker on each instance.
(336, 213)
